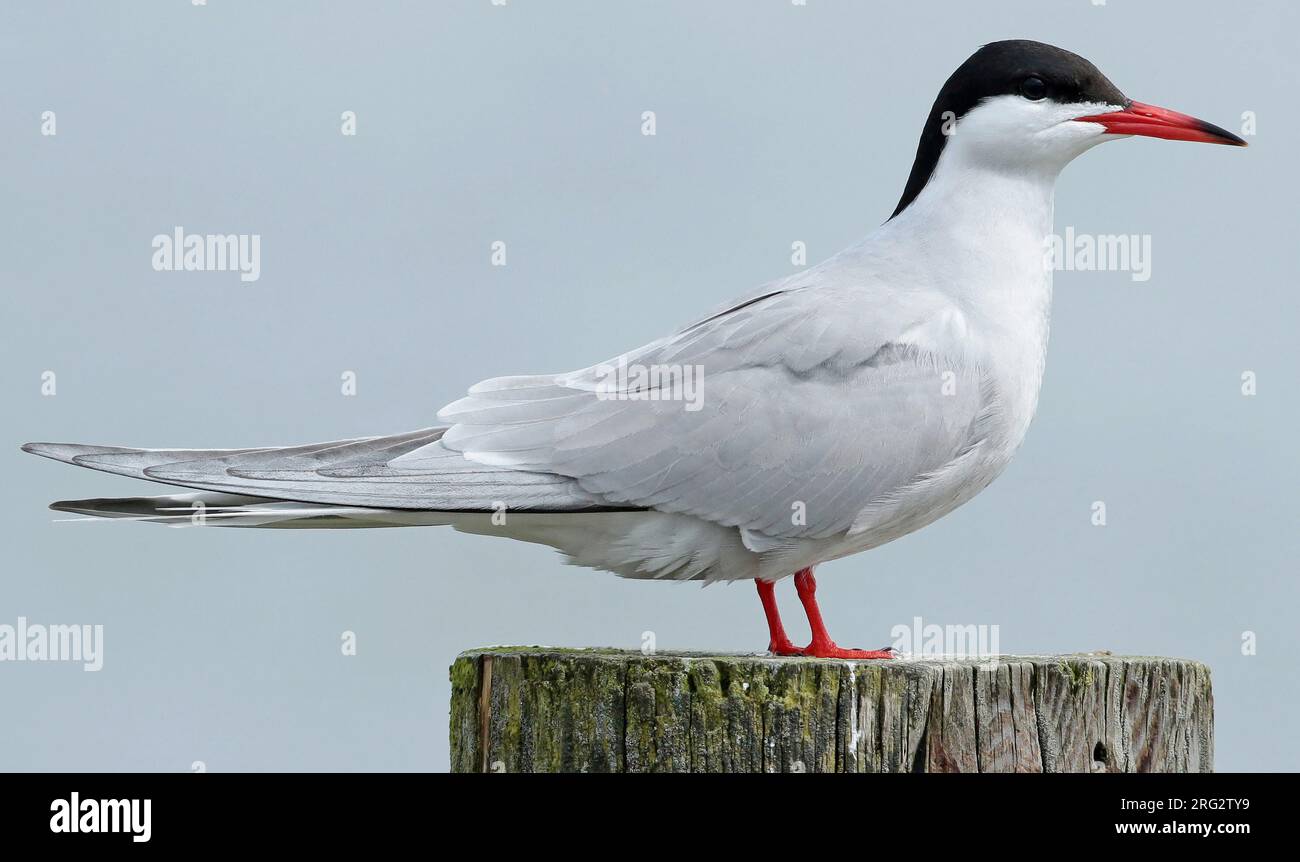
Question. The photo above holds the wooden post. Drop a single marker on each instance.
(540, 709)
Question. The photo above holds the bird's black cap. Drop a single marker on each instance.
(1002, 68)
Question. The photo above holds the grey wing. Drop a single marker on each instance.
(808, 411)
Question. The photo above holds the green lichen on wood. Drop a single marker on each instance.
(505, 725)
(794, 713)
(465, 728)
(1079, 675)
(564, 713)
(658, 716)
(745, 687)
(708, 718)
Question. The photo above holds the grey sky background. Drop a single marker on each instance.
(521, 123)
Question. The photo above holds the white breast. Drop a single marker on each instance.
(976, 238)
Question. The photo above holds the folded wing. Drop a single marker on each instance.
(807, 408)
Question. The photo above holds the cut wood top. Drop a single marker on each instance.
(618, 654)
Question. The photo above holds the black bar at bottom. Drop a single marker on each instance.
(333, 812)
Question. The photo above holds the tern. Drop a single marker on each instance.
(824, 414)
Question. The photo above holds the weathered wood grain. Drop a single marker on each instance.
(538, 709)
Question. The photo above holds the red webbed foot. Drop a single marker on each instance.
(830, 650)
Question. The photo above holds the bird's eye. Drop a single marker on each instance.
(1033, 89)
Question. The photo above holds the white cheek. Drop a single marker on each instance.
(1067, 136)
(1014, 131)
(1001, 132)
(1069, 133)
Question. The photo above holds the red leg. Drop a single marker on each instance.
(779, 643)
(822, 646)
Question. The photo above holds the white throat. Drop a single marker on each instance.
(979, 235)
(981, 225)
